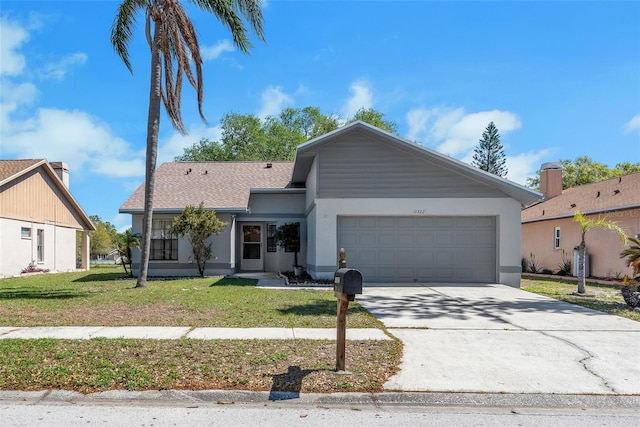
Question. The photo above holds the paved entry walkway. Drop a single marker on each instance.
(497, 339)
(172, 333)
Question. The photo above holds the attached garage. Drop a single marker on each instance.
(421, 248)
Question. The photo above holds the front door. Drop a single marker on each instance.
(252, 247)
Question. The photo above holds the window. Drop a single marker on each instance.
(40, 245)
(164, 245)
(271, 238)
(25, 233)
(556, 238)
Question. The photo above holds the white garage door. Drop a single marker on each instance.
(430, 249)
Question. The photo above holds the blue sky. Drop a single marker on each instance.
(559, 79)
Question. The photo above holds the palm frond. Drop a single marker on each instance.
(123, 26)
(226, 12)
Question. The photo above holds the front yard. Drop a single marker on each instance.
(601, 297)
(103, 298)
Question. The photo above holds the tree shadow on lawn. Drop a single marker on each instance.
(102, 277)
(35, 293)
(231, 281)
(319, 307)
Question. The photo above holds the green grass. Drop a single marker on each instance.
(106, 364)
(105, 297)
(606, 298)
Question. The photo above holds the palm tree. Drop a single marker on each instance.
(174, 41)
(126, 242)
(587, 224)
(632, 253)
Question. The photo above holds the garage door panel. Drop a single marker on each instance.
(424, 240)
(412, 248)
(386, 239)
(386, 222)
(364, 222)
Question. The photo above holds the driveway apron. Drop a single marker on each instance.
(498, 339)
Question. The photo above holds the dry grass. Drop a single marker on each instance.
(104, 297)
(278, 365)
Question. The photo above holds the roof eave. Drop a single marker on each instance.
(589, 212)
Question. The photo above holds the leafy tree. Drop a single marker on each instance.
(100, 241)
(489, 154)
(174, 44)
(584, 170)
(247, 138)
(288, 237)
(103, 238)
(375, 118)
(126, 242)
(197, 225)
(587, 224)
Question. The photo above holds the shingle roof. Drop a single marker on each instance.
(220, 185)
(10, 168)
(609, 195)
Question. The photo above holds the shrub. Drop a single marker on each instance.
(565, 265)
(33, 268)
(533, 265)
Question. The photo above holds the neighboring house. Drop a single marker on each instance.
(39, 218)
(402, 212)
(548, 228)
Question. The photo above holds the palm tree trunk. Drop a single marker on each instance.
(153, 127)
(582, 249)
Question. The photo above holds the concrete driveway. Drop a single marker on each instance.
(497, 339)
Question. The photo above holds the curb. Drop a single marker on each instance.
(228, 397)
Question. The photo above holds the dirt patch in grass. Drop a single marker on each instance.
(277, 365)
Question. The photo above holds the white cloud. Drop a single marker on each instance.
(82, 141)
(175, 144)
(454, 132)
(634, 124)
(525, 165)
(76, 138)
(58, 70)
(273, 100)
(12, 36)
(121, 221)
(209, 53)
(361, 97)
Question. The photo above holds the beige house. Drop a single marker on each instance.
(40, 221)
(548, 228)
(402, 212)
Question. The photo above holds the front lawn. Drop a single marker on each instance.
(105, 297)
(188, 364)
(606, 298)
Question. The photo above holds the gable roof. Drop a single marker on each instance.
(223, 186)
(14, 169)
(11, 169)
(306, 153)
(598, 197)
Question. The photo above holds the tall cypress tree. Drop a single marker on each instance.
(489, 154)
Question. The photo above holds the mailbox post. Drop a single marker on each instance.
(347, 283)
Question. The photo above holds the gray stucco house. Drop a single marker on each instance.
(403, 213)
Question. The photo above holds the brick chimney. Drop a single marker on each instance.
(62, 170)
(551, 179)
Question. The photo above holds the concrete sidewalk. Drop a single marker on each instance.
(172, 333)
